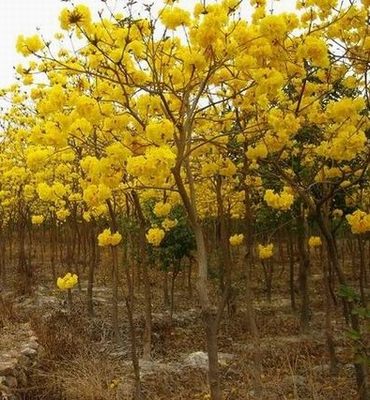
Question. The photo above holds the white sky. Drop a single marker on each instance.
(25, 16)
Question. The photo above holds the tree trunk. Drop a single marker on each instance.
(304, 264)
(173, 280)
(190, 288)
(209, 317)
(91, 272)
(360, 368)
(291, 273)
(166, 295)
(129, 300)
(115, 294)
(361, 247)
(328, 315)
(211, 325)
(257, 368)
(114, 252)
(24, 264)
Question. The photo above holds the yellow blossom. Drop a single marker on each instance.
(172, 17)
(29, 45)
(80, 15)
(359, 222)
(62, 214)
(67, 282)
(265, 252)
(162, 209)
(168, 224)
(315, 50)
(257, 151)
(282, 201)
(236, 240)
(160, 132)
(37, 219)
(314, 241)
(155, 236)
(107, 238)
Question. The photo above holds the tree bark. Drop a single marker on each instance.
(360, 368)
(211, 317)
(91, 273)
(304, 264)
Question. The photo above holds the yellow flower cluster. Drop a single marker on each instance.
(80, 15)
(67, 282)
(162, 209)
(222, 166)
(345, 109)
(29, 45)
(51, 193)
(107, 238)
(315, 50)
(359, 221)
(265, 252)
(236, 240)
(346, 145)
(274, 27)
(95, 195)
(173, 17)
(37, 219)
(155, 236)
(159, 132)
(154, 167)
(326, 173)
(37, 157)
(314, 241)
(62, 214)
(282, 201)
(168, 224)
(118, 152)
(257, 151)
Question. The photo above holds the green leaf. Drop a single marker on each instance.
(348, 293)
(354, 335)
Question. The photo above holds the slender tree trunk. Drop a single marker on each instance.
(328, 315)
(24, 264)
(268, 273)
(351, 317)
(190, 287)
(53, 249)
(304, 264)
(291, 273)
(361, 247)
(114, 253)
(91, 273)
(115, 322)
(173, 280)
(147, 339)
(224, 248)
(129, 300)
(3, 254)
(166, 295)
(257, 368)
(209, 317)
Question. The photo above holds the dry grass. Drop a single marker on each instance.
(86, 377)
(75, 365)
(7, 312)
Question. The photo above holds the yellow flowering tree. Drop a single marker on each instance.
(205, 118)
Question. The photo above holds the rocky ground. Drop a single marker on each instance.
(80, 359)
